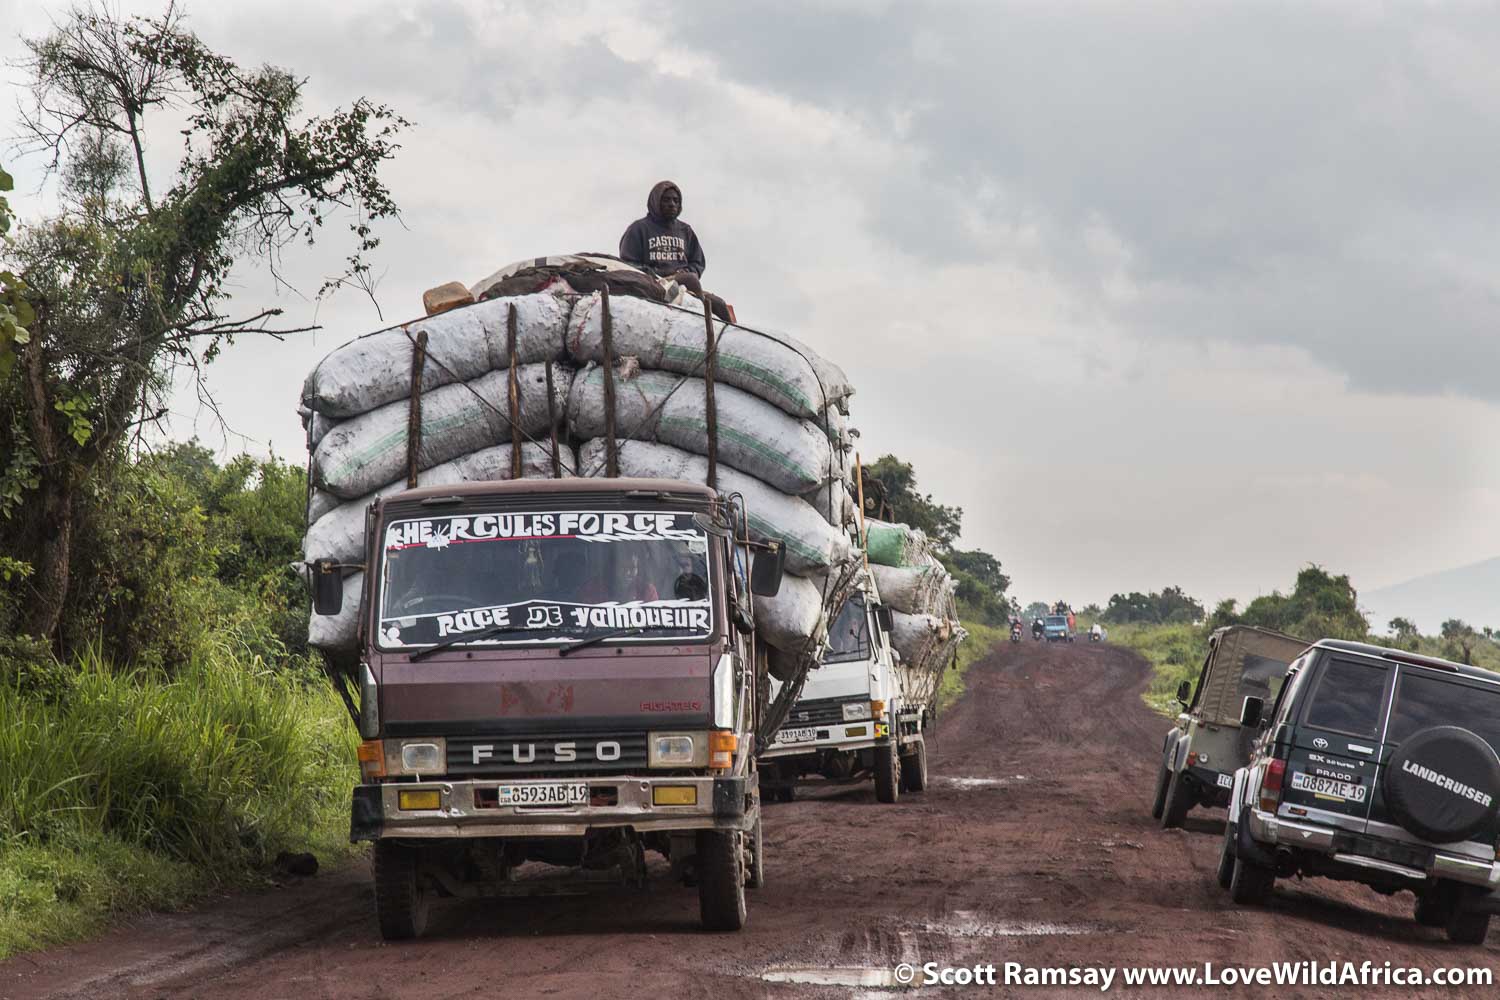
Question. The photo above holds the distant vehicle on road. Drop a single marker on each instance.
(1097, 633)
(1055, 629)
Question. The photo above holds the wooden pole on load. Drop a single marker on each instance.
(552, 424)
(513, 390)
(414, 409)
(864, 531)
(611, 447)
(710, 364)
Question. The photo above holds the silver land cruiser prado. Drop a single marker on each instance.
(1374, 766)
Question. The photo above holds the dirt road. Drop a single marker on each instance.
(1033, 846)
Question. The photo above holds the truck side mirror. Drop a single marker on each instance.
(1250, 711)
(767, 570)
(1184, 692)
(328, 587)
(884, 619)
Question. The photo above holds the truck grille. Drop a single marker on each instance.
(542, 755)
(819, 712)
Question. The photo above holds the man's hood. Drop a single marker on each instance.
(653, 200)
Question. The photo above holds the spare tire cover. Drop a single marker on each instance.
(1443, 784)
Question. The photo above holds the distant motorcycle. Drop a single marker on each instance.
(1015, 633)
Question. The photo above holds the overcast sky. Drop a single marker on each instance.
(1179, 293)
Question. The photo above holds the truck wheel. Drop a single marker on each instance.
(914, 769)
(1250, 884)
(1161, 792)
(1224, 874)
(721, 880)
(1433, 907)
(756, 878)
(1179, 801)
(1468, 926)
(887, 773)
(400, 897)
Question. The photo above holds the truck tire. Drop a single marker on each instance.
(1161, 792)
(1468, 926)
(721, 880)
(756, 877)
(914, 768)
(1224, 874)
(400, 897)
(1434, 906)
(1250, 884)
(1179, 800)
(887, 773)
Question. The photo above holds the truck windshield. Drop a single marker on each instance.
(1057, 621)
(546, 576)
(849, 639)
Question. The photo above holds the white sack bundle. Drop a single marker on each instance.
(756, 438)
(834, 503)
(341, 631)
(795, 615)
(914, 590)
(339, 533)
(363, 454)
(812, 545)
(775, 367)
(918, 637)
(462, 344)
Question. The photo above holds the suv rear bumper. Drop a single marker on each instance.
(722, 803)
(1266, 829)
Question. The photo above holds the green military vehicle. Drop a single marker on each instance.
(1201, 753)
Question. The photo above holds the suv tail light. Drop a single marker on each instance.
(1270, 785)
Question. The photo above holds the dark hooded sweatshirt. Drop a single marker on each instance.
(659, 246)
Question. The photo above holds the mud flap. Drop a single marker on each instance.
(365, 817)
(1249, 850)
(729, 798)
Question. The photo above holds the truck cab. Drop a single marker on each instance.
(557, 671)
(858, 717)
(1055, 629)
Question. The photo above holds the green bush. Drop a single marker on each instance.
(1175, 652)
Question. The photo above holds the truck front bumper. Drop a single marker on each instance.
(1353, 849)
(720, 803)
(836, 736)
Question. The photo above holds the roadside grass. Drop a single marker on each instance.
(1175, 653)
(982, 639)
(127, 791)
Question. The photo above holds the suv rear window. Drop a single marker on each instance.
(1423, 701)
(1348, 699)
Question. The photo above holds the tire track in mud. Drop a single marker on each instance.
(1034, 844)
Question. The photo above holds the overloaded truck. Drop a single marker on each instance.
(865, 713)
(561, 536)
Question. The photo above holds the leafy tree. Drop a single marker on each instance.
(129, 279)
(1459, 639)
(895, 486)
(1224, 613)
(1171, 606)
(1404, 631)
(1037, 609)
(1320, 606)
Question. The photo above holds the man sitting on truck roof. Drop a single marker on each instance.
(662, 243)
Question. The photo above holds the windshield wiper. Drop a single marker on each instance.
(596, 639)
(488, 633)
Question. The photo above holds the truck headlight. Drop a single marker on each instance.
(424, 756)
(677, 750)
(856, 710)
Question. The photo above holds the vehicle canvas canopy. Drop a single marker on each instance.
(1243, 661)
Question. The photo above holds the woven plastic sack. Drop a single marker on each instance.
(812, 544)
(756, 438)
(775, 367)
(913, 589)
(339, 632)
(363, 454)
(462, 344)
(918, 638)
(895, 544)
(793, 617)
(834, 503)
(339, 533)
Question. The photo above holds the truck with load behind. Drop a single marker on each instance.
(864, 714)
(561, 538)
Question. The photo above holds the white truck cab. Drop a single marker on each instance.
(860, 715)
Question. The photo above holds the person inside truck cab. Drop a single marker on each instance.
(617, 574)
(662, 243)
